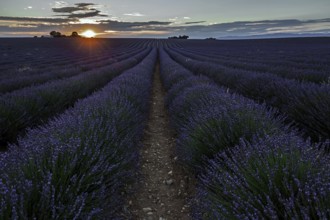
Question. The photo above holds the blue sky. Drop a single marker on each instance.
(155, 18)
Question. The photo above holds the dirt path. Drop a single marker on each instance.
(164, 187)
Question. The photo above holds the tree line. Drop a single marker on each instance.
(58, 34)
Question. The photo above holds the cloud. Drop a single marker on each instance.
(77, 7)
(195, 22)
(132, 26)
(94, 13)
(66, 9)
(158, 23)
(35, 19)
(84, 4)
(195, 29)
(187, 18)
(135, 14)
(255, 28)
(173, 19)
(79, 10)
(67, 25)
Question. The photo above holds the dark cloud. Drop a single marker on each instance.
(157, 23)
(32, 19)
(92, 13)
(195, 22)
(84, 4)
(80, 10)
(66, 9)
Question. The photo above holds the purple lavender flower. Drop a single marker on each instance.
(77, 165)
(277, 177)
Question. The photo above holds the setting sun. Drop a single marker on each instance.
(89, 34)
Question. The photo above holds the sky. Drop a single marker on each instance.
(160, 18)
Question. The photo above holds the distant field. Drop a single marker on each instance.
(251, 120)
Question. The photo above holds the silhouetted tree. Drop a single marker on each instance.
(52, 33)
(75, 34)
(180, 37)
(56, 34)
(183, 37)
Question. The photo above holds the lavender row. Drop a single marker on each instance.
(301, 53)
(309, 75)
(207, 118)
(19, 81)
(30, 106)
(307, 104)
(277, 177)
(249, 165)
(40, 55)
(290, 60)
(40, 64)
(77, 166)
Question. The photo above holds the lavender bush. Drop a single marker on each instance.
(208, 119)
(182, 83)
(59, 72)
(29, 106)
(300, 72)
(77, 166)
(249, 165)
(299, 101)
(278, 177)
(25, 57)
(173, 75)
(216, 123)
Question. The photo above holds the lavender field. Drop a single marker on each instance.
(249, 119)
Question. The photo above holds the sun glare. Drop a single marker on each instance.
(89, 34)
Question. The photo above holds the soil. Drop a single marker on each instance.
(164, 190)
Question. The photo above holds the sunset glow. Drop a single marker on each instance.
(89, 34)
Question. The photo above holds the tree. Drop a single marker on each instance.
(52, 33)
(183, 37)
(55, 34)
(75, 34)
